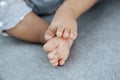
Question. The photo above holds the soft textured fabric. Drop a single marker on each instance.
(43, 7)
(94, 56)
(12, 12)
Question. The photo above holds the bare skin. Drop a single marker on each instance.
(64, 23)
(64, 26)
(61, 33)
(58, 50)
(32, 29)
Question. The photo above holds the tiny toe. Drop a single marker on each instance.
(60, 31)
(72, 34)
(66, 33)
(61, 62)
(53, 61)
(75, 35)
(55, 64)
(51, 56)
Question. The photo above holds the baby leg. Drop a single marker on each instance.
(31, 28)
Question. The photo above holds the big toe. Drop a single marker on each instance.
(50, 45)
(50, 33)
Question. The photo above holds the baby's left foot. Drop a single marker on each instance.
(58, 50)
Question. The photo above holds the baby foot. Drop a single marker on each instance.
(63, 25)
(58, 50)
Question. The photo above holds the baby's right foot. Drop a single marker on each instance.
(63, 25)
(58, 50)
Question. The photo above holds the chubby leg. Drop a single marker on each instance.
(32, 28)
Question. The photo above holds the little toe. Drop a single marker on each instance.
(55, 64)
(53, 61)
(66, 33)
(61, 62)
(59, 32)
(73, 35)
